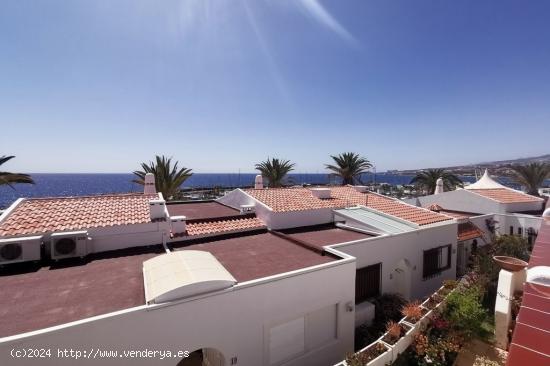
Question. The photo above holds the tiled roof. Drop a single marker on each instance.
(40, 215)
(531, 340)
(456, 214)
(223, 225)
(505, 195)
(301, 199)
(467, 231)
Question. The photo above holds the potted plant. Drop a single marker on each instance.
(414, 314)
(433, 301)
(398, 336)
(373, 355)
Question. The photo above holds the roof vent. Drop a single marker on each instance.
(149, 184)
(361, 189)
(322, 193)
(177, 275)
(178, 224)
(246, 209)
(259, 182)
(157, 209)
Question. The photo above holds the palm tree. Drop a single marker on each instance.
(9, 179)
(168, 178)
(275, 170)
(531, 176)
(427, 180)
(349, 166)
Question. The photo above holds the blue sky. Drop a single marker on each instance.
(99, 86)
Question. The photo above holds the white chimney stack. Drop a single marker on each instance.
(259, 182)
(149, 186)
(439, 186)
(178, 225)
(157, 209)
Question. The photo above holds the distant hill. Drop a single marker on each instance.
(500, 167)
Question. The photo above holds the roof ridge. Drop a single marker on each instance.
(100, 195)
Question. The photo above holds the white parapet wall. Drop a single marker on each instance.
(508, 284)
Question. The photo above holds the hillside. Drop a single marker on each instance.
(500, 167)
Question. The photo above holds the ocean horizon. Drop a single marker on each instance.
(82, 184)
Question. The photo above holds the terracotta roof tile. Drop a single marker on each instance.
(506, 195)
(468, 230)
(301, 199)
(220, 226)
(39, 215)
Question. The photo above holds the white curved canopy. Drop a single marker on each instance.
(184, 273)
(485, 182)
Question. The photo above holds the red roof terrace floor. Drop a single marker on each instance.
(531, 340)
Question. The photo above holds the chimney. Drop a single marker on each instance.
(149, 186)
(258, 182)
(322, 193)
(157, 209)
(178, 225)
(439, 186)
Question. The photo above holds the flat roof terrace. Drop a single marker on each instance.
(40, 296)
(259, 255)
(35, 297)
(201, 210)
(323, 235)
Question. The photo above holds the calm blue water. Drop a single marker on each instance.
(48, 185)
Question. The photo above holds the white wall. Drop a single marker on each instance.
(460, 200)
(517, 220)
(464, 200)
(235, 322)
(278, 220)
(389, 250)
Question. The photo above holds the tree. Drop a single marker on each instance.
(349, 166)
(531, 176)
(168, 178)
(9, 179)
(275, 171)
(427, 180)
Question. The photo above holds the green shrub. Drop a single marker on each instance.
(465, 311)
(512, 246)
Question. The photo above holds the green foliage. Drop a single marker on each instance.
(275, 171)
(9, 179)
(349, 166)
(426, 180)
(465, 311)
(531, 176)
(168, 178)
(512, 246)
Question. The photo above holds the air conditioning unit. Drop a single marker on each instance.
(17, 250)
(69, 244)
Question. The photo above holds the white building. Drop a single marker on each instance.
(260, 277)
(486, 208)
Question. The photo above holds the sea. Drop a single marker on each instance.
(56, 185)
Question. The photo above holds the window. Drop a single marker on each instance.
(520, 231)
(474, 247)
(511, 230)
(436, 260)
(367, 283)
